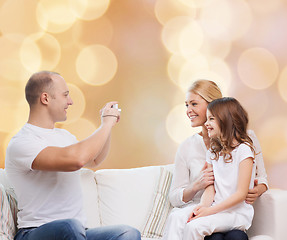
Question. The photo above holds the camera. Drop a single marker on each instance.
(116, 106)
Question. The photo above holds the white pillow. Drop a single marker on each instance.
(7, 225)
(90, 195)
(161, 207)
(126, 195)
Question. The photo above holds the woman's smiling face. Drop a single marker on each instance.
(196, 108)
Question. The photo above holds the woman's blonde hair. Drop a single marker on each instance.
(207, 89)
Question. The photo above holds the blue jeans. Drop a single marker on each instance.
(231, 235)
(71, 229)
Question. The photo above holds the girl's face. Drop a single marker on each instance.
(196, 109)
(212, 125)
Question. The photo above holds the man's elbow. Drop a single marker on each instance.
(76, 161)
(82, 161)
(80, 158)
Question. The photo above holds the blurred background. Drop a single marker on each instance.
(144, 54)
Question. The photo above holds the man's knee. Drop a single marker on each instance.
(129, 233)
(71, 229)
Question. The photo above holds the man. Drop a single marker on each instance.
(42, 163)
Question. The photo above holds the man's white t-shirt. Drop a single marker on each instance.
(43, 196)
(226, 179)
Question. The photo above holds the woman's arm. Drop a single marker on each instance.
(255, 192)
(261, 183)
(182, 191)
(244, 177)
(205, 179)
(180, 180)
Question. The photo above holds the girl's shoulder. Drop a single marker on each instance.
(243, 150)
(243, 146)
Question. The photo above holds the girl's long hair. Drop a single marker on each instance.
(232, 120)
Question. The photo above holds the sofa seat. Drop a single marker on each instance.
(139, 197)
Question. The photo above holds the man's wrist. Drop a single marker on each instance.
(110, 116)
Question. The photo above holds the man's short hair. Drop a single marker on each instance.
(37, 84)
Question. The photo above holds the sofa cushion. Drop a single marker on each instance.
(160, 208)
(126, 195)
(7, 225)
(90, 194)
(269, 215)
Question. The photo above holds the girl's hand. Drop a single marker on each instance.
(192, 215)
(205, 179)
(199, 211)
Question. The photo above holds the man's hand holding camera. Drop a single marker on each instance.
(110, 113)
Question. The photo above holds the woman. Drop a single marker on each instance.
(191, 175)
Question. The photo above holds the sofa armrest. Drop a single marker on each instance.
(270, 211)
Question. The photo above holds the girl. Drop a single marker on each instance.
(231, 155)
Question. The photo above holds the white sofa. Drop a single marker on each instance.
(138, 197)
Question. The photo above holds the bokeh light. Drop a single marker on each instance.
(195, 64)
(55, 16)
(273, 139)
(40, 51)
(82, 128)
(177, 124)
(96, 65)
(197, 3)
(9, 23)
(258, 68)
(14, 108)
(174, 66)
(282, 84)
(250, 103)
(89, 9)
(10, 64)
(216, 48)
(265, 7)
(182, 35)
(191, 38)
(128, 50)
(166, 10)
(82, 30)
(222, 82)
(221, 68)
(222, 19)
(79, 104)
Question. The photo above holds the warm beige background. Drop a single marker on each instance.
(144, 53)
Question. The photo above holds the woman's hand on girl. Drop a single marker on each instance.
(206, 178)
(255, 192)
